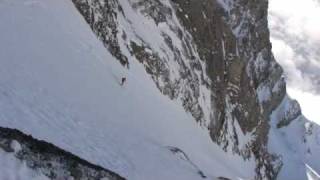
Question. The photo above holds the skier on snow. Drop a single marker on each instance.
(123, 80)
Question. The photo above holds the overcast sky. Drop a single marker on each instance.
(295, 36)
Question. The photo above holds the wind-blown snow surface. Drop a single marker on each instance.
(60, 84)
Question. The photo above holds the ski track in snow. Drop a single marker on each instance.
(59, 84)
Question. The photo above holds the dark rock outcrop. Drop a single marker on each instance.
(50, 160)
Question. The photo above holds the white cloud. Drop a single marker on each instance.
(309, 103)
(295, 36)
(301, 16)
(290, 61)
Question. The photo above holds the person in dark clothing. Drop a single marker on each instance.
(123, 80)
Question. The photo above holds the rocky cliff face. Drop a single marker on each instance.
(214, 56)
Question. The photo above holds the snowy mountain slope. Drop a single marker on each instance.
(230, 40)
(149, 32)
(297, 143)
(222, 108)
(249, 111)
(59, 84)
(193, 56)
